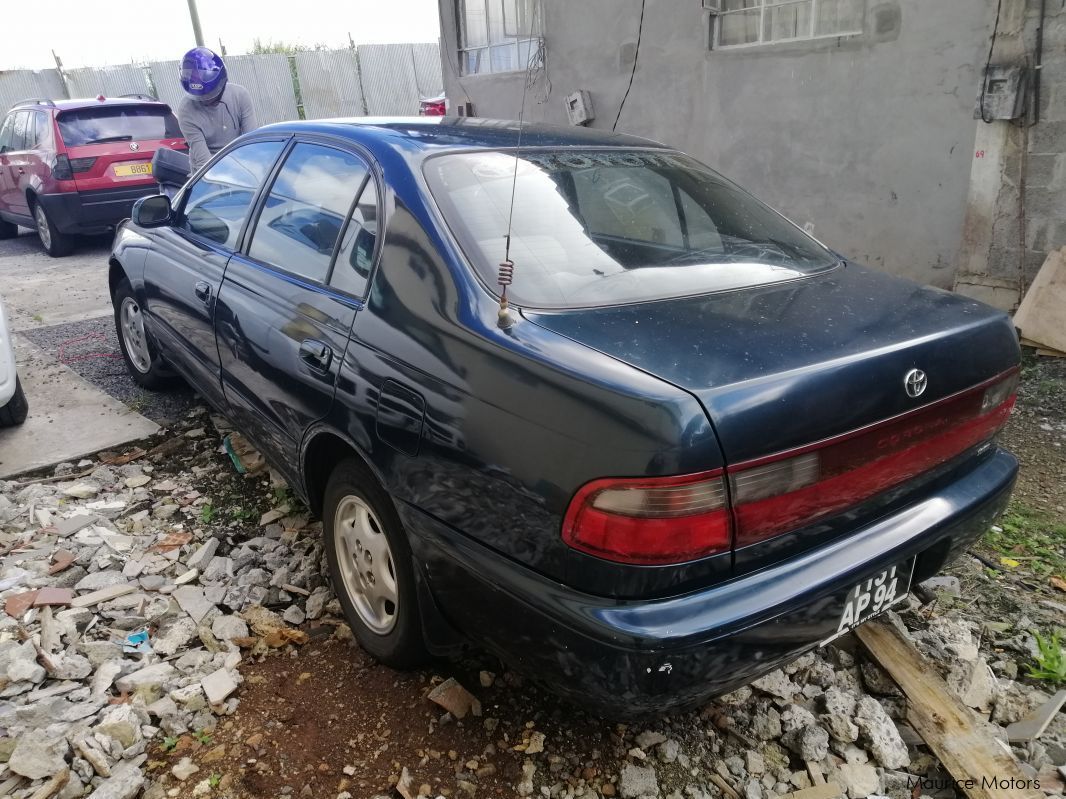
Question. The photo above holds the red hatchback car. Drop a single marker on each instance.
(69, 167)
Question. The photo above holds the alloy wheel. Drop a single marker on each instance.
(43, 230)
(132, 323)
(365, 564)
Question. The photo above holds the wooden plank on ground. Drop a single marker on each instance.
(977, 761)
(1041, 316)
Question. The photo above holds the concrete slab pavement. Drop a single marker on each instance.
(68, 417)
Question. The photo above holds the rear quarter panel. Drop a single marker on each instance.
(515, 421)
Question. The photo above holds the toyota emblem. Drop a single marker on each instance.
(134, 146)
(915, 382)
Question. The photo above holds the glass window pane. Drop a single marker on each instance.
(505, 57)
(218, 203)
(117, 123)
(6, 132)
(22, 122)
(739, 27)
(792, 21)
(602, 228)
(474, 23)
(303, 214)
(737, 5)
(838, 16)
(496, 33)
(628, 204)
(352, 268)
(475, 61)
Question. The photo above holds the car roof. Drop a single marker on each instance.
(435, 133)
(85, 102)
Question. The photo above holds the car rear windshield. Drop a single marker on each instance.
(606, 227)
(117, 123)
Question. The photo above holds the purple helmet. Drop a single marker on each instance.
(203, 74)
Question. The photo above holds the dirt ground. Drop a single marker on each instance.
(324, 719)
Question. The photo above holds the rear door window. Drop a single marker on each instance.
(351, 270)
(117, 123)
(23, 130)
(217, 204)
(7, 134)
(305, 211)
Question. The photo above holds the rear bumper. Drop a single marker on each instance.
(635, 658)
(93, 211)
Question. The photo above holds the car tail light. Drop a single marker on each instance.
(81, 164)
(432, 108)
(789, 491)
(61, 168)
(648, 521)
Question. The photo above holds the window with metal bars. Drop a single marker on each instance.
(743, 23)
(497, 35)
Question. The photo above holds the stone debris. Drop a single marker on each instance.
(454, 698)
(128, 551)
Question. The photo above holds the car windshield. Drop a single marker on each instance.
(606, 227)
(117, 123)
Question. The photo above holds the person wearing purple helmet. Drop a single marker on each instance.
(213, 111)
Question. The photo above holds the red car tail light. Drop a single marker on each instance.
(785, 492)
(81, 164)
(649, 521)
(61, 168)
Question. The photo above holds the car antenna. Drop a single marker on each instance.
(505, 274)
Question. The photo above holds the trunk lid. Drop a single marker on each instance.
(111, 146)
(784, 366)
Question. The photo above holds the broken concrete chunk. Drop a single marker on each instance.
(218, 685)
(103, 595)
(155, 675)
(880, 734)
(38, 755)
(454, 698)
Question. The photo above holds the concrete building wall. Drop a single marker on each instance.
(867, 140)
(1016, 212)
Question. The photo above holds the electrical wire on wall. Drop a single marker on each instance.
(633, 72)
(988, 64)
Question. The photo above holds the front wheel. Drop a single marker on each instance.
(143, 361)
(16, 409)
(55, 243)
(370, 567)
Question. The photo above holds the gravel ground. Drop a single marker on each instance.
(90, 348)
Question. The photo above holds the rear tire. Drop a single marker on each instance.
(54, 242)
(14, 413)
(8, 230)
(370, 567)
(143, 360)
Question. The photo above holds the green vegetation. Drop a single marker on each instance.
(1050, 662)
(203, 736)
(214, 780)
(207, 513)
(169, 744)
(1031, 537)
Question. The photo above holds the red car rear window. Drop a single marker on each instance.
(117, 123)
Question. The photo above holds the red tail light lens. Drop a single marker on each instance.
(650, 521)
(81, 164)
(61, 168)
(789, 491)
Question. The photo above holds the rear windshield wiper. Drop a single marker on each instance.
(107, 139)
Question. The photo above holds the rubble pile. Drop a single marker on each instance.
(127, 597)
(830, 716)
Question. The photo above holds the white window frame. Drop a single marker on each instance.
(516, 42)
(763, 6)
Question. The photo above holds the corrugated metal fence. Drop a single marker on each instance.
(374, 79)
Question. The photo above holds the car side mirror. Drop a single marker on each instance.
(152, 211)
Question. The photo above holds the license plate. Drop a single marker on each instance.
(128, 170)
(873, 596)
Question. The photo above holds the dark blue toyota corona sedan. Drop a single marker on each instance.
(643, 437)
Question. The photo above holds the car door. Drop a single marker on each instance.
(185, 264)
(7, 132)
(281, 328)
(13, 162)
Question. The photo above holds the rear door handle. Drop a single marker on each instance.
(316, 354)
(203, 290)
